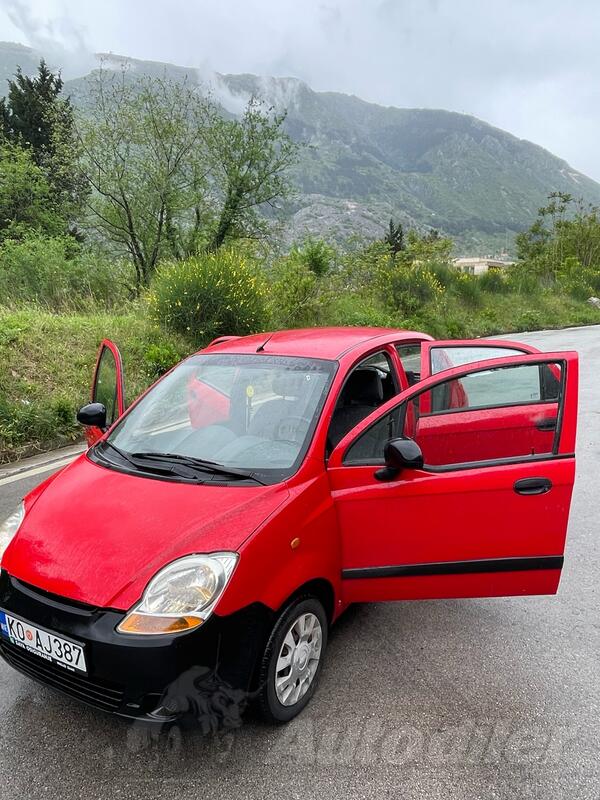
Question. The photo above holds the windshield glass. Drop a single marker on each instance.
(256, 413)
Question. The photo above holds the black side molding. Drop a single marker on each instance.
(456, 567)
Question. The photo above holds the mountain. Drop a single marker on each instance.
(13, 55)
(364, 162)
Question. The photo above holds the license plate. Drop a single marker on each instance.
(47, 645)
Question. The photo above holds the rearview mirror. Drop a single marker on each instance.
(399, 454)
(93, 414)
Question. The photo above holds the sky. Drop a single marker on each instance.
(531, 67)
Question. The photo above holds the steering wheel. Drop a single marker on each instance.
(292, 429)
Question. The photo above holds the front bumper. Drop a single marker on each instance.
(207, 672)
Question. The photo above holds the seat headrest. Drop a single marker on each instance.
(364, 386)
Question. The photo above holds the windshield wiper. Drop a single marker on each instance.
(195, 463)
(125, 456)
(130, 458)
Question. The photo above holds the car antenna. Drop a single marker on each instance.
(261, 347)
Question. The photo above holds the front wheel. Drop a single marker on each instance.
(292, 661)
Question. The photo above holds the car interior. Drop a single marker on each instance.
(269, 431)
(368, 386)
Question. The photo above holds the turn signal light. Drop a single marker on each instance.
(146, 623)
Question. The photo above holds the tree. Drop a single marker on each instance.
(35, 116)
(25, 196)
(144, 155)
(565, 230)
(249, 159)
(24, 112)
(315, 254)
(170, 176)
(428, 247)
(394, 238)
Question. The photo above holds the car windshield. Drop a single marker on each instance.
(254, 414)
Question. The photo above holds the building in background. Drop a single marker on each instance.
(479, 265)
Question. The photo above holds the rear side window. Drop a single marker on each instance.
(410, 357)
(447, 357)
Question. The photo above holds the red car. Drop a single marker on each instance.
(197, 554)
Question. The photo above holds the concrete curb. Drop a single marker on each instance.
(44, 459)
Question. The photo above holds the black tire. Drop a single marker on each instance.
(269, 706)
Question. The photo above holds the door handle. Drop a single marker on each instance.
(548, 424)
(533, 486)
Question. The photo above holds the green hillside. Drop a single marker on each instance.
(365, 163)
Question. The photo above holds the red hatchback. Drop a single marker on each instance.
(198, 552)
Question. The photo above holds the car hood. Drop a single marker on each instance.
(97, 536)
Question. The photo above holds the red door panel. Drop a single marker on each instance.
(516, 431)
(445, 519)
(461, 530)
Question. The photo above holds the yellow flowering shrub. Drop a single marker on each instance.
(405, 287)
(209, 295)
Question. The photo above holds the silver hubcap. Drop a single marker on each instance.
(298, 659)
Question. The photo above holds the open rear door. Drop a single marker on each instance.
(107, 387)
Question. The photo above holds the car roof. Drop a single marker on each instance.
(328, 343)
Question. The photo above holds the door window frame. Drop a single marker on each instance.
(106, 344)
(404, 382)
(562, 447)
(442, 344)
(389, 351)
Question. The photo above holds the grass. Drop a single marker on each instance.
(47, 359)
(46, 365)
(495, 314)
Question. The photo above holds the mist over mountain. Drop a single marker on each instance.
(364, 162)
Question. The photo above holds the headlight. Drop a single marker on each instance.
(10, 526)
(181, 596)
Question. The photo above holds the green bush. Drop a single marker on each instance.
(294, 300)
(523, 278)
(445, 275)
(577, 288)
(529, 320)
(360, 311)
(159, 358)
(315, 254)
(453, 328)
(468, 288)
(359, 267)
(26, 203)
(55, 274)
(494, 280)
(208, 295)
(576, 280)
(406, 287)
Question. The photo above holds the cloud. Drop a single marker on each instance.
(56, 36)
(528, 67)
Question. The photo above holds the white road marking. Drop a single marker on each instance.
(37, 470)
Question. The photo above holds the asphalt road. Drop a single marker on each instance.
(470, 698)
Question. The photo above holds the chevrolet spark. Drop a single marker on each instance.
(214, 530)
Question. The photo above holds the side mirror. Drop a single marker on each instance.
(92, 414)
(400, 454)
